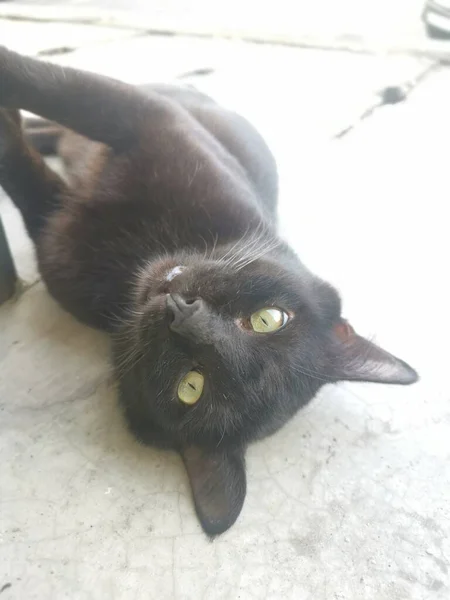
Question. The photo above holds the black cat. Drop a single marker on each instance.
(166, 238)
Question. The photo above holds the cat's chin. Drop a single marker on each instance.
(158, 279)
(174, 272)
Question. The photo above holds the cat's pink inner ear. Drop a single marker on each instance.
(344, 330)
(358, 359)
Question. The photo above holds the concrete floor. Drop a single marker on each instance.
(347, 502)
(379, 23)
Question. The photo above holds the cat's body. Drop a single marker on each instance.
(166, 238)
(212, 187)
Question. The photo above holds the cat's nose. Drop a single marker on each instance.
(189, 316)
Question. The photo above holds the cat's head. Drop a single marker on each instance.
(221, 350)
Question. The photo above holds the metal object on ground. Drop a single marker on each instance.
(437, 17)
(8, 276)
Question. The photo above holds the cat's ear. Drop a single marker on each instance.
(357, 359)
(218, 485)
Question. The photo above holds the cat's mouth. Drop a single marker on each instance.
(174, 272)
(169, 276)
(161, 280)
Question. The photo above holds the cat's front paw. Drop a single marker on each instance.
(10, 131)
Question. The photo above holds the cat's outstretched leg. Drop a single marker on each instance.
(33, 187)
(102, 109)
(7, 270)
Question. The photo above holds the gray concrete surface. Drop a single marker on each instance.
(366, 24)
(350, 500)
(289, 17)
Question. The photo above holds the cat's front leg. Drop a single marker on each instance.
(100, 108)
(32, 186)
(8, 275)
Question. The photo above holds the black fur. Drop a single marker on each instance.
(167, 179)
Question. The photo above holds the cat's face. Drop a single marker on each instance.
(220, 352)
(253, 333)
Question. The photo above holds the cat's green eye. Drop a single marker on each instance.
(190, 388)
(267, 320)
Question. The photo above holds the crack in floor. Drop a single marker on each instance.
(393, 94)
